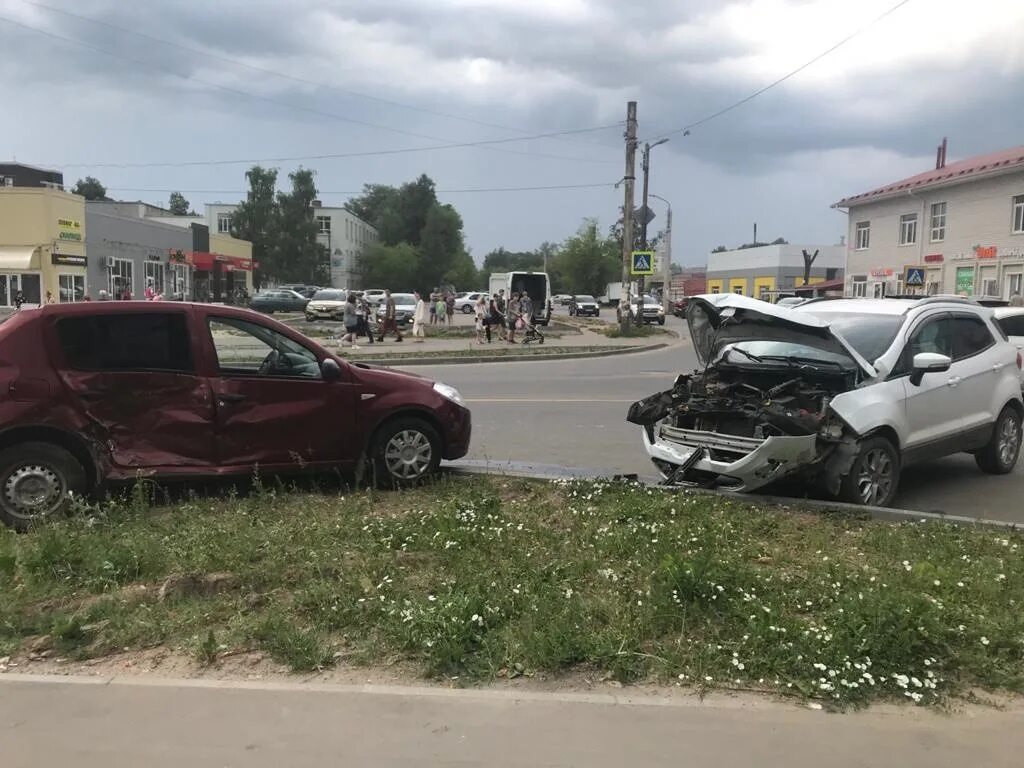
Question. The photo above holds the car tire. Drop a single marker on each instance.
(875, 475)
(467, 310)
(310, 319)
(37, 481)
(999, 457)
(661, 321)
(404, 452)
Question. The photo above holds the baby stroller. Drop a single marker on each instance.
(530, 332)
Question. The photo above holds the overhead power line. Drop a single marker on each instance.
(328, 156)
(787, 76)
(595, 185)
(273, 72)
(323, 113)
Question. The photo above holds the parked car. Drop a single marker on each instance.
(405, 308)
(653, 312)
(306, 291)
(679, 307)
(790, 301)
(1011, 320)
(100, 393)
(278, 300)
(584, 305)
(466, 302)
(845, 392)
(327, 304)
(561, 299)
(373, 296)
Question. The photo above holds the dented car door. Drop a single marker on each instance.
(273, 406)
(133, 375)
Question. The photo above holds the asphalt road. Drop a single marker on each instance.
(572, 413)
(152, 723)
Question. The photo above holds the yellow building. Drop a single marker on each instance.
(42, 245)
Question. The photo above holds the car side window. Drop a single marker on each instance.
(1013, 325)
(157, 341)
(934, 335)
(971, 336)
(244, 348)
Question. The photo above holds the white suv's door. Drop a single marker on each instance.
(974, 371)
(933, 406)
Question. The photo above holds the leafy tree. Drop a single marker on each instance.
(399, 214)
(719, 249)
(90, 188)
(178, 205)
(392, 266)
(500, 260)
(256, 220)
(440, 246)
(587, 262)
(780, 241)
(297, 255)
(375, 202)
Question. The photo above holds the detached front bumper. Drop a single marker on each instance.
(691, 457)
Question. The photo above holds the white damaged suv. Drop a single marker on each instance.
(844, 392)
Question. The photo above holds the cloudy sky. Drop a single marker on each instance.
(115, 89)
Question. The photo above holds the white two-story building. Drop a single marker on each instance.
(345, 236)
(958, 228)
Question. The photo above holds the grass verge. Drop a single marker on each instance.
(483, 350)
(487, 578)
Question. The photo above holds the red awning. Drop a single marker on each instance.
(204, 261)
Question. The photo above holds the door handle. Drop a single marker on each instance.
(998, 367)
(953, 381)
(226, 398)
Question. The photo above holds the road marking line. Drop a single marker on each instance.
(584, 400)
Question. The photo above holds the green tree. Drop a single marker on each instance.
(297, 256)
(719, 249)
(90, 188)
(501, 260)
(178, 205)
(440, 247)
(372, 205)
(256, 220)
(588, 262)
(391, 266)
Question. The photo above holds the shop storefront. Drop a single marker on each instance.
(218, 277)
(985, 270)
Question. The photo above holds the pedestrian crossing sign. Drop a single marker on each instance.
(642, 263)
(914, 277)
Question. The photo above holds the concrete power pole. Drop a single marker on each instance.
(627, 216)
(667, 265)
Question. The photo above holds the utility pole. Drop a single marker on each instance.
(627, 217)
(666, 267)
(646, 165)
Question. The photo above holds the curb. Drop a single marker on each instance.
(824, 507)
(393, 362)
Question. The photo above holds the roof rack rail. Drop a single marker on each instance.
(948, 299)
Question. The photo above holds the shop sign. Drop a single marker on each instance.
(933, 258)
(1013, 253)
(69, 229)
(68, 260)
(177, 257)
(154, 257)
(985, 251)
(879, 272)
(965, 280)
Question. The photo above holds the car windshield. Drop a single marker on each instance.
(330, 296)
(648, 300)
(403, 298)
(870, 334)
(585, 299)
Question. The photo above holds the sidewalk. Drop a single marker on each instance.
(96, 723)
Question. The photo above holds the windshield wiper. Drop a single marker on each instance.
(748, 355)
(804, 362)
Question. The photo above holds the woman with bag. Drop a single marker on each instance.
(419, 319)
(481, 319)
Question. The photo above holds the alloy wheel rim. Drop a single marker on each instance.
(876, 476)
(408, 454)
(33, 491)
(1009, 441)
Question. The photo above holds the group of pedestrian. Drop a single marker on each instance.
(441, 307)
(357, 317)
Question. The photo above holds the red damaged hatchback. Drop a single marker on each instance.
(96, 393)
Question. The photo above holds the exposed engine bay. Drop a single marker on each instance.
(740, 402)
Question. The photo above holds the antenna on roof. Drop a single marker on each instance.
(940, 155)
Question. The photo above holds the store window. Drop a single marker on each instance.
(121, 279)
(860, 286)
(71, 288)
(179, 281)
(877, 290)
(989, 286)
(28, 284)
(1014, 283)
(155, 278)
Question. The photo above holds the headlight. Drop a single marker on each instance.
(449, 392)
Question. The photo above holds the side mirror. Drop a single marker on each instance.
(928, 362)
(330, 370)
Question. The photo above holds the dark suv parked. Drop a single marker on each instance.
(97, 393)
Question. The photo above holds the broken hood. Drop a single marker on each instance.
(720, 319)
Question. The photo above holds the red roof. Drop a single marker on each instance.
(829, 285)
(953, 173)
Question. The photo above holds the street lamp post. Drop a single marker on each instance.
(666, 267)
(646, 220)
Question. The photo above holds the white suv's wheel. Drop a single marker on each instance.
(999, 457)
(875, 475)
